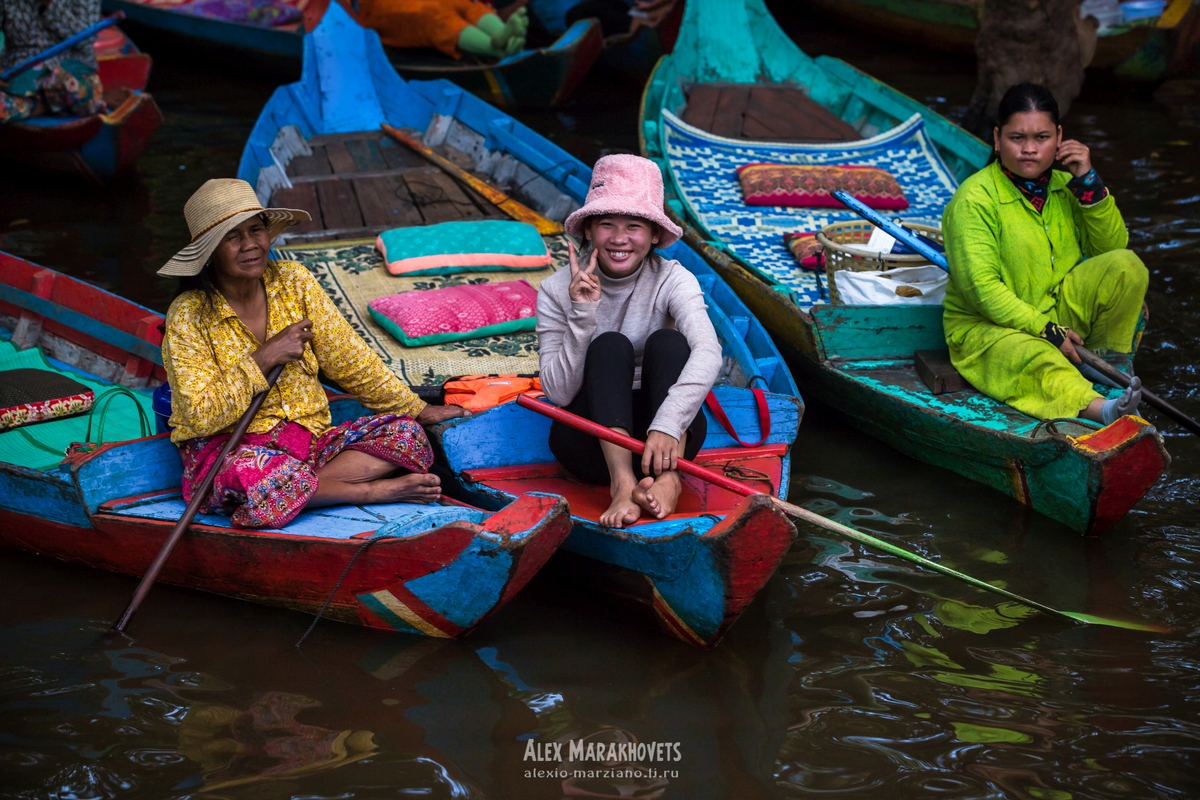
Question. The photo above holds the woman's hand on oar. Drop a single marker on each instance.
(845, 532)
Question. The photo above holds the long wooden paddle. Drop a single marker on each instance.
(198, 497)
(514, 208)
(843, 531)
(921, 245)
(65, 44)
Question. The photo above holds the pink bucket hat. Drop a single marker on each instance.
(630, 185)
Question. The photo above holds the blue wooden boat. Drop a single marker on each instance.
(528, 79)
(698, 568)
(437, 570)
(858, 359)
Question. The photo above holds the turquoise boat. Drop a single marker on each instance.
(700, 567)
(738, 91)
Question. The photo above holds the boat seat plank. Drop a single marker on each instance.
(431, 198)
(340, 158)
(386, 202)
(304, 197)
(791, 115)
(339, 206)
(454, 192)
(702, 106)
(731, 108)
(316, 164)
(366, 155)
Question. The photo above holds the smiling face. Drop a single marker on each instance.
(242, 254)
(1027, 143)
(622, 242)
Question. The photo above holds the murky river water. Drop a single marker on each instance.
(853, 675)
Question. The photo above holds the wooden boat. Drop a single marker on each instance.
(100, 147)
(529, 79)
(751, 95)
(437, 570)
(698, 568)
(1142, 50)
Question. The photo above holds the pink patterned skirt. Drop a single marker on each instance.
(270, 477)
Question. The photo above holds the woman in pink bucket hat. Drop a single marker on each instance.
(625, 341)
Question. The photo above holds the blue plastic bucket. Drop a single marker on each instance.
(1142, 9)
(161, 403)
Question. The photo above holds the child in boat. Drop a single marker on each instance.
(66, 84)
(239, 315)
(626, 341)
(451, 26)
(1038, 265)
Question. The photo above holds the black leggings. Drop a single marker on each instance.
(607, 397)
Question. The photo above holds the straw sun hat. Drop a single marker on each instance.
(217, 207)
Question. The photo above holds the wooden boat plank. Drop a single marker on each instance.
(315, 165)
(702, 106)
(327, 138)
(792, 115)
(385, 201)
(340, 158)
(454, 192)
(731, 106)
(366, 155)
(339, 206)
(304, 197)
(430, 197)
(400, 158)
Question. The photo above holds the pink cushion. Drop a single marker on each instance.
(454, 313)
(813, 185)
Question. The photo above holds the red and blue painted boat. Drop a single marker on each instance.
(698, 568)
(99, 147)
(535, 78)
(437, 570)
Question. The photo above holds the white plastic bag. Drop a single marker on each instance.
(905, 286)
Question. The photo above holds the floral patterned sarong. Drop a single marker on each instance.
(67, 88)
(271, 476)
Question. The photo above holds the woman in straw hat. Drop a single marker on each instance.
(626, 342)
(238, 315)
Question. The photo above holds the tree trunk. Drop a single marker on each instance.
(1039, 41)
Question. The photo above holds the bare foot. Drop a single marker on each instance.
(623, 511)
(659, 495)
(411, 488)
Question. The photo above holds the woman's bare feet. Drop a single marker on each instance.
(408, 488)
(623, 511)
(659, 495)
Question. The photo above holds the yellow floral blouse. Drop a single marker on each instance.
(206, 351)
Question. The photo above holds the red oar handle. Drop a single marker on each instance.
(629, 443)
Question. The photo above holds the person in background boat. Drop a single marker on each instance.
(451, 26)
(66, 84)
(240, 314)
(626, 341)
(1038, 264)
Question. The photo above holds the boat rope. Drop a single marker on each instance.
(376, 538)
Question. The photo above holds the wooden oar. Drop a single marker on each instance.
(514, 208)
(65, 44)
(920, 245)
(843, 531)
(1121, 379)
(198, 497)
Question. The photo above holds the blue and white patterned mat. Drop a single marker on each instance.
(705, 168)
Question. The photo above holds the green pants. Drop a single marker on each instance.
(1100, 299)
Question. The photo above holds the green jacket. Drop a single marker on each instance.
(1006, 260)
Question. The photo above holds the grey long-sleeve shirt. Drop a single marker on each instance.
(661, 294)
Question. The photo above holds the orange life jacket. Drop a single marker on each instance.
(481, 392)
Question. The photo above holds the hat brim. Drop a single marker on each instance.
(628, 206)
(191, 259)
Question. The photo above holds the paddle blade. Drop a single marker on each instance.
(1092, 619)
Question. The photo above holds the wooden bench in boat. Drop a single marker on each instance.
(764, 113)
(357, 185)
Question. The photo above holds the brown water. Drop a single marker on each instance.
(852, 675)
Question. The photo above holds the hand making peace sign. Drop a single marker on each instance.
(585, 286)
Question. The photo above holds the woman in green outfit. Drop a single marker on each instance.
(1038, 264)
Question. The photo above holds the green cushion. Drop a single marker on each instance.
(449, 247)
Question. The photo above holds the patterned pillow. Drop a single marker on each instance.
(262, 13)
(812, 186)
(455, 313)
(35, 395)
(809, 253)
(450, 247)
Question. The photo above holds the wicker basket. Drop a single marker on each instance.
(840, 238)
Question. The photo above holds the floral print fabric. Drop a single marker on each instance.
(269, 478)
(812, 186)
(207, 354)
(67, 88)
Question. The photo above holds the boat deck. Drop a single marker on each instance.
(764, 113)
(357, 185)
